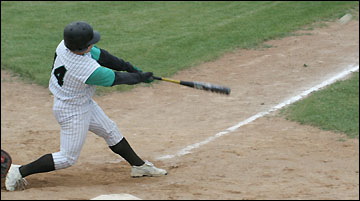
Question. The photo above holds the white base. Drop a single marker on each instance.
(345, 19)
(122, 196)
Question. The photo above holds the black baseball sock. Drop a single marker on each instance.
(124, 150)
(43, 164)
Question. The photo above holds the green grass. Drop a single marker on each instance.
(334, 108)
(162, 37)
(165, 37)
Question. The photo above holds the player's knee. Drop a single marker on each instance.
(112, 127)
(71, 162)
(64, 161)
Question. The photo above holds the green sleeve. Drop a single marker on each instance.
(101, 77)
(95, 53)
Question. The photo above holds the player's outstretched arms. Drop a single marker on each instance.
(106, 77)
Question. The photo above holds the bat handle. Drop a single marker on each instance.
(156, 78)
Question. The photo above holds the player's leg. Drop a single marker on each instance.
(104, 127)
(73, 132)
(44, 164)
(74, 128)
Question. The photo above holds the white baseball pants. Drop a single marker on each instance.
(75, 122)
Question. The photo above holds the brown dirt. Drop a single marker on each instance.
(270, 158)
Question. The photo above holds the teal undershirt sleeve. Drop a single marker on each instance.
(101, 77)
(95, 52)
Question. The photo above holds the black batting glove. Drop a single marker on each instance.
(146, 77)
(140, 71)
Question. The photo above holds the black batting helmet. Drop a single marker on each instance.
(78, 36)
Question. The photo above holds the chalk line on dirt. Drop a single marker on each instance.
(350, 69)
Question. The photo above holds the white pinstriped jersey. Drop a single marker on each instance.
(69, 74)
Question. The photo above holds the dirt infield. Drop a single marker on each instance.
(270, 158)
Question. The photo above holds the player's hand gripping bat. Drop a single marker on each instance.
(198, 85)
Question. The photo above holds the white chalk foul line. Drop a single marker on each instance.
(188, 149)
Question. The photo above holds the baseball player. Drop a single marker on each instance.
(79, 66)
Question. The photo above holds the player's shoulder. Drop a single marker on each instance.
(61, 45)
(61, 48)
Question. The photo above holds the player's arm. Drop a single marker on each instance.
(106, 77)
(104, 58)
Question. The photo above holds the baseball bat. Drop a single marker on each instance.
(198, 85)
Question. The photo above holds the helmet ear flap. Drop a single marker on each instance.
(78, 36)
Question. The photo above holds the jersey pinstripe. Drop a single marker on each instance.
(75, 124)
(68, 84)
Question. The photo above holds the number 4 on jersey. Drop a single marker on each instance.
(59, 74)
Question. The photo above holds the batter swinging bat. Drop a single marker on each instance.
(198, 85)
